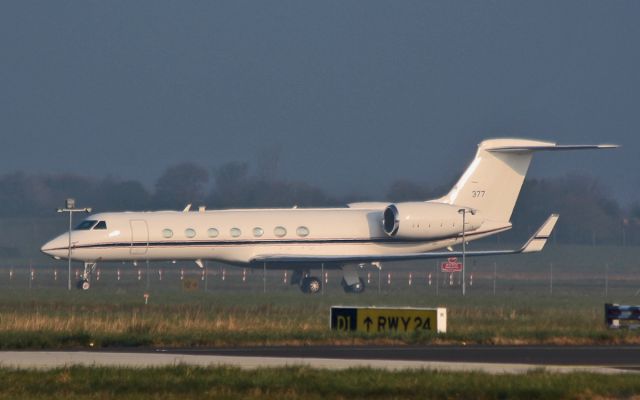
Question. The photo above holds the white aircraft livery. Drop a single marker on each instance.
(303, 240)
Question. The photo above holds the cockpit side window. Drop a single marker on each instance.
(86, 225)
(100, 225)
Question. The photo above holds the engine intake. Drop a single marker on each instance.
(424, 220)
(391, 221)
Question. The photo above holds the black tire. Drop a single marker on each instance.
(81, 284)
(310, 285)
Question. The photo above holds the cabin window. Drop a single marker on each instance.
(101, 225)
(167, 233)
(213, 232)
(235, 232)
(257, 231)
(190, 232)
(302, 231)
(86, 225)
(279, 231)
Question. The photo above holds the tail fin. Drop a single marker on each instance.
(492, 183)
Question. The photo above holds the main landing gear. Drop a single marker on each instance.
(351, 281)
(357, 287)
(308, 284)
(85, 280)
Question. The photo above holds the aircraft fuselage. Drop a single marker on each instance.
(238, 236)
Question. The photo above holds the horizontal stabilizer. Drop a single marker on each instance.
(492, 182)
(534, 244)
(554, 147)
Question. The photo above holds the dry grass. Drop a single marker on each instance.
(42, 313)
(153, 321)
(225, 319)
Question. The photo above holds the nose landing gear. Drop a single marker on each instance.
(84, 284)
(85, 280)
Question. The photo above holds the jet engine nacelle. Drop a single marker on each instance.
(424, 220)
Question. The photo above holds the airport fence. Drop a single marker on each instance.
(481, 279)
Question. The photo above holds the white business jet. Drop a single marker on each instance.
(303, 240)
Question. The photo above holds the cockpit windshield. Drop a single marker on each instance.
(86, 225)
(91, 224)
(100, 225)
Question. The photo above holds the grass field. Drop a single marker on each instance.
(305, 383)
(556, 297)
(533, 303)
(232, 320)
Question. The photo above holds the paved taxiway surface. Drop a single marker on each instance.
(628, 356)
(491, 359)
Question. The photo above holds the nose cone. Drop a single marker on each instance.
(57, 248)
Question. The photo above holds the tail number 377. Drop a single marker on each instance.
(477, 193)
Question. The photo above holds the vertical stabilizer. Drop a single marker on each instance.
(492, 183)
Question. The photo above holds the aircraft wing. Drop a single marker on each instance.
(534, 244)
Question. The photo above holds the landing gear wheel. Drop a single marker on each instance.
(356, 288)
(85, 279)
(83, 284)
(310, 285)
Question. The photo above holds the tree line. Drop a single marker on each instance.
(589, 214)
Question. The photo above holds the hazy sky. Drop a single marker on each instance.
(350, 94)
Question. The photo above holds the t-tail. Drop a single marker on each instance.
(491, 184)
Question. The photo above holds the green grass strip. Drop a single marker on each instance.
(305, 383)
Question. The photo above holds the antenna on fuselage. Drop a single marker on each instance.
(187, 208)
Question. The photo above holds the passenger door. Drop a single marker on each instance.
(139, 236)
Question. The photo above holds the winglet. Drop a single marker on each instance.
(539, 239)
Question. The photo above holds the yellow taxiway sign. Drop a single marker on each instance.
(388, 319)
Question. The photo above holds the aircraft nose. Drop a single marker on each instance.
(56, 248)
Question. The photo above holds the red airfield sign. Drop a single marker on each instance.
(451, 265)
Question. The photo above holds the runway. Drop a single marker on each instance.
(489, 359)
(627, 356)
